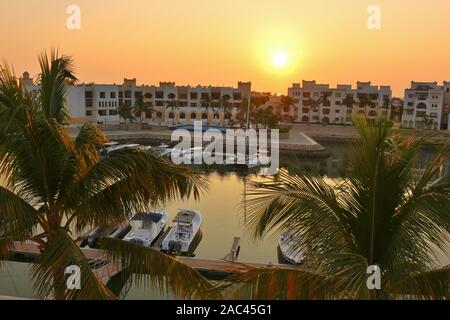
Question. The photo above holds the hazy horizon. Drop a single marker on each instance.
(218, 43)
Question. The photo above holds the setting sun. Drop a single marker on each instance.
(280, 59)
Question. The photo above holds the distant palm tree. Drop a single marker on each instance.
(172, 105)
(349, 102)
(226, 105)
(125, 112)
(364, 102)
(325, 98)
(53, 186)
(142, 108)
(314, 104)
(382, 215)
(387, 105)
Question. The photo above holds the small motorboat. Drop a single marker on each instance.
(247, 161)
(147, 227)
(110, 151)
(182, 235)
(290, 249)
(110, 231)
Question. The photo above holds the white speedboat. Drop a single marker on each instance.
(290, 248)
(111, 231)
(108, 152)
(146, 227)
(185, 228)
(247, 161)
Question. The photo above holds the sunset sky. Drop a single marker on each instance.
(218, 42)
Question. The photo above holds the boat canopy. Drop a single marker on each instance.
(148, 216)
(185, 216)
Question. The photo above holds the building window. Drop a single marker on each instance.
(205, 96)
(194, 95)
(89, 112)
(182, 115)
(102, 112)
(102, 95)
(112, 95)
(193, 104)
(193, 116)
(159, 94)
(159, 103)
(171, 96)
(148, 95)
(112, 112)
(127, 94)
(237, 96)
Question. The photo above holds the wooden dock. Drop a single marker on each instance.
(106, 269)
(98, 260)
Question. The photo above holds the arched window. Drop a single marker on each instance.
(193, 116)
(171, 115)
(182, 115)
(172, 96)
(204, 116)
(148, 95)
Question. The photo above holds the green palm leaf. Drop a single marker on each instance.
(158, 270)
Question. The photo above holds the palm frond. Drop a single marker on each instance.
(273, 283)
(158, 270)
(56, 74)
(431, 284)
(48, 272)
(298, 203)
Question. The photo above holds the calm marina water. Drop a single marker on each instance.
(223, 219)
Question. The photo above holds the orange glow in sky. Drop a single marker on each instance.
(272, 43)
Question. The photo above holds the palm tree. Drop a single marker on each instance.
(53, 186)
(381, 214)
(314, 104)
(172, 105)
(349, 102)
(364, 102)
(125, 112)
(286, 103)
(142, 108)
(226, 105)
(387, 105)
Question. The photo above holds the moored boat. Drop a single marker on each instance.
(111, 231)
(181, 237)
(147, 227)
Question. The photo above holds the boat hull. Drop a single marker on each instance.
(183, 246)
